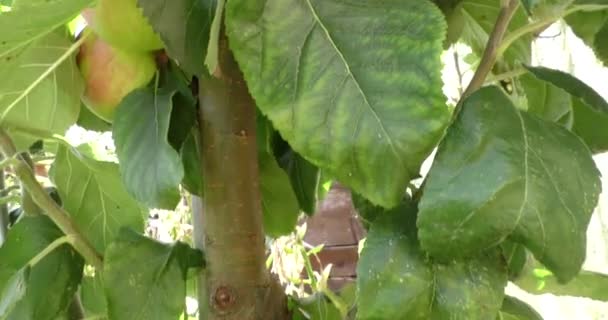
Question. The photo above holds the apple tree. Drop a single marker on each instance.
(246, 106)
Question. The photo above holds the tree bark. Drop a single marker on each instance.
(237, 284)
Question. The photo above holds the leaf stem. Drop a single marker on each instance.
(491, 51)
(535, 26)
(50, 248)
(59, 216)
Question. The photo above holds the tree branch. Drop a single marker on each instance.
(492, 47)
(59, 216)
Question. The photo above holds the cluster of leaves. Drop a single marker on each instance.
(347, 90)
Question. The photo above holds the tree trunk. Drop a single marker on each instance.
(237, 284)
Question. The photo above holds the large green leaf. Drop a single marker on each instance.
(480, 18)
(32, 20)
(515, 309)
(47, 287)
(93, 194)
(151, 169)
(396, 280)
(184, 26)
(29, 99)
(362, 100)
(502, 173)
(589, 109)
(145, 279)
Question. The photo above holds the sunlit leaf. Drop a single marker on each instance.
(352, 98)
(502, 173)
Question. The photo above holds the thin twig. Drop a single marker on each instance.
(59, 216)
(458, 71)
(491, 51)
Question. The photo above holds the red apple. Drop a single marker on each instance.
(110, 74)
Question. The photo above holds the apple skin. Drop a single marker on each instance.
(110, 74)
(122, 24)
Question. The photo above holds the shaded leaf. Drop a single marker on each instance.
(516, 257)
(369, 92)
(546, 100)
(13, 290)
(93, 194)
(591, 27)
(184, 27)
(279, 202)
(452, 10)
(538, 280)
(150, 275)
(515, 309)
(590, 110)
(191, 161)
(303, 175)
(396, 280)
(319, 308)
(92, 296)
(501, 173)
(89, 121)
(29, 99)
(151, 169)
(50, 284)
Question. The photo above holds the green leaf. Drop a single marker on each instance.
(369, 92)
(145, 279)
(93, 194)
(319, 308)
(32, 21)
(303, 175)
(191, 161)
(184, 27)
(92, 296)
(546, 100)
(537, 280)
(304, 178)
(480, 18)
(515, 309)
(279, 202)
(589, 109)
(13, 290)
(516, 257)
(89, 121)
(501, 173)
(592, 28)
(151, 169)
(29, 99)
(530, 4)
(454, 15)
(50, 284)
(396, 280)
(546, 9)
